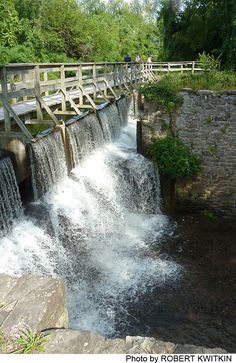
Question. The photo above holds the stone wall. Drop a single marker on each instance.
(206, 122)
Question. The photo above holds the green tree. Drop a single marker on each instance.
(10, 25)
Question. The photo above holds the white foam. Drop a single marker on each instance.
(100, 236)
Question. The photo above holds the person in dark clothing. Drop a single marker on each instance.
(127, 59)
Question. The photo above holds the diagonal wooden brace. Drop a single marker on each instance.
(100, 91)
(72, 103)
(47, 108)
(16, 118)
(109, 87)
(87, 96)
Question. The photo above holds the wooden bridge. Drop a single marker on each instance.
(46, 93)
(43, 95)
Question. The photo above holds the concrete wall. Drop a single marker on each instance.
(17, 150)
(207, 123)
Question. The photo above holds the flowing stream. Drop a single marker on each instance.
(128, 269)
(94, 228)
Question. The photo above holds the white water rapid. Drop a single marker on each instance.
(94, 229)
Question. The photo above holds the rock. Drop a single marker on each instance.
(38, 303)
(141, 345)
(193, 349)
(82, 342)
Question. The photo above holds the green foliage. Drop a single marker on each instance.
(10, 25)
(165, 93)
(71, 30)
(198, 26)
(209, 62)
(28, 342)
(173, 159)
(169, 86)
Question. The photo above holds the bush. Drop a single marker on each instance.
(165, 93)
(173, 159)
(209, 62)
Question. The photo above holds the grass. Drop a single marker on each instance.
(212, 80)
(29, 343)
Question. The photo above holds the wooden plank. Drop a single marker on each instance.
(94, 82)
(37, 93)
(35, 122)
(63, 98)
(79, 74)
(12, 134)
(65, 113)
(7, 118)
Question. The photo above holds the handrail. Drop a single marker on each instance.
(24, 83)
(25, 65)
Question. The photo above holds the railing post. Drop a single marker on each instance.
(24, 79)
(94, 80)
(131, 72)
(37, 93)
(7, 117)
(80, 79)
(193, 66)
(12, 87)
(105, 76)
(168, 67)
(45, 78)
(63, 88)
(114, 75)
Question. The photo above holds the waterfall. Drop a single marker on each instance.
(85, 135)
(47, 161)
(123, 108)
(110, 121)
(10, 202)
(97, 228)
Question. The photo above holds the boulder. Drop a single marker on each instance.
(82, 342)
(33, 302)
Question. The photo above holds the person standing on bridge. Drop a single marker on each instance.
(127, 59)
(149, 63)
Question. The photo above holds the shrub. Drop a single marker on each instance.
(165, 93)
(173, 158)
(209, 62)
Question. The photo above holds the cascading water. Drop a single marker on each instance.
(85, 135)
(47, 161)
(123, 109)
(10, 202)
(95, 229)
(111, 130)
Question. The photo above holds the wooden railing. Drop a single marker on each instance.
(182, 67)
(28, 91)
